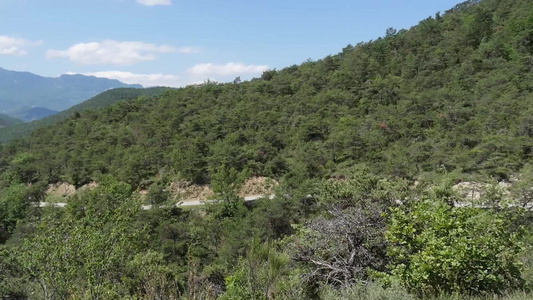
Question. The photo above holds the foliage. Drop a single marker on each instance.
(153, 278)
(435, 248)
(522, 189)
(453, 92)
(17, 130)
(13, 205)
(88, 238)
(371, 291)
(347, 240)
(11, 279)
(259, 275)
(6, 121)
(356, 141)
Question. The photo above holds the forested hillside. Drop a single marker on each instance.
(102, 100)
(366, 145)
(8, 121)
(452, 93)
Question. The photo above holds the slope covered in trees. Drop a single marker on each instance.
(366, 145)
(102, 100)
(6, 121)
(452, 93)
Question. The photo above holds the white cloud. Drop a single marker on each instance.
(189, 50)
(228, 69)
(15, 46)
(146, 80)
(195, 75)
(154, 2)
(111, 52)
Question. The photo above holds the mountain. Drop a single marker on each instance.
(23, 90)
(448, 95)
(104, 99)
(6, 121)
(34, 113)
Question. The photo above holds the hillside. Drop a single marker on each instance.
(6, 121)
(400, 169)
(23, 90)
(448, 94)
(102, 100)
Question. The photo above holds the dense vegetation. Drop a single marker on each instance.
(104, 99)
(8, 121)
(454, 92)
(366, 145)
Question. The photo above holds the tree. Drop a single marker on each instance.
(347, 240)
(51, 257)
(94, 238)
(436, 248)
(259, 274)
(13, 205)
(522, 189)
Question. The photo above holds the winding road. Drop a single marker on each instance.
(179, 204)
(185, 203)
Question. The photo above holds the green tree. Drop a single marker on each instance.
(94, 238)
(259, 275)
(435, 248)
(13, 205)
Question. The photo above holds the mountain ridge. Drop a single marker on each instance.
(101, 100)
(33, 114)
(6, 121)
(21, 91)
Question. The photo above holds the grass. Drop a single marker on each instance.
(377, 292)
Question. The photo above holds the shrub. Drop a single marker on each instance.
(436, 248)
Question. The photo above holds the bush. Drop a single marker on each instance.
(13, 205)
(262, 275)
(436, 248)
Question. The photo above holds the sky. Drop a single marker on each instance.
(181, 42)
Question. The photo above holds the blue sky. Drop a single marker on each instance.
(179, 42)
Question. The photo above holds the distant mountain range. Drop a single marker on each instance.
(34, 113)
(30, 97)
